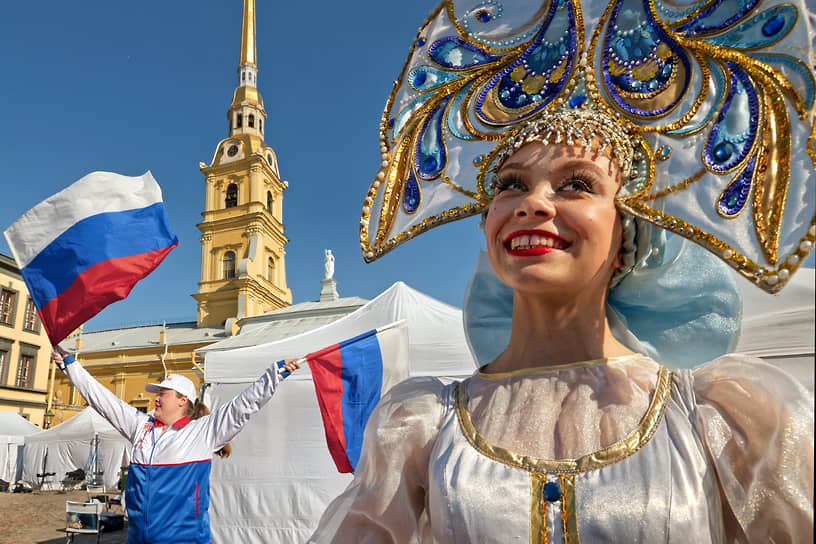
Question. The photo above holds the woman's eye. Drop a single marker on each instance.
(577, 185)
(510, 183)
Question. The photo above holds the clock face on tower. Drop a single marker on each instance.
(232, 150)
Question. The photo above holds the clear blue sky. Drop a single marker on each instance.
(135, 86)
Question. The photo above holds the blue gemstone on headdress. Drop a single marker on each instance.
(521, 99)
(420, 42)
(478, 159)
(429, 164)
(735, 196)
(391, 122)
(505, 94)
(723, 151)
(410, 200)
(577, 101)
(419, 79)
(484, 16)
(552, 491)
(773, 25)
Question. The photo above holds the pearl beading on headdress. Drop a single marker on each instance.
(590, 128)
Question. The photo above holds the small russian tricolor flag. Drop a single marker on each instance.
(88, 245)
(348, 380)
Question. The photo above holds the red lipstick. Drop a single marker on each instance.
(527, 243)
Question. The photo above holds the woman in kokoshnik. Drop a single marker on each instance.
(168, 484)
(574, 428)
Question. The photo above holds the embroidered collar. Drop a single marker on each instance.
(563, 366)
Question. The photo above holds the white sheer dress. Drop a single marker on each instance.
(615, 450)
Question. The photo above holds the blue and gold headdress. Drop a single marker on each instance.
(717, 96)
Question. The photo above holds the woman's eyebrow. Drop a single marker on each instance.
(513, 166)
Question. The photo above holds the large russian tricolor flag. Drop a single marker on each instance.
(88, 245)
(348, 380)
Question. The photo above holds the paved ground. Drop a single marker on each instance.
(39, 518)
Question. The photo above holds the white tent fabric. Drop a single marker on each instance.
(280, 476)
(780, 328)
(13, 430)
(68, 447)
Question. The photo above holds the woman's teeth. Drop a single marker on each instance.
(529, 241)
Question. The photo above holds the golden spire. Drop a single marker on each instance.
(248, 34)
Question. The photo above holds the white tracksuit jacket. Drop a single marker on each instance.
(168, 483)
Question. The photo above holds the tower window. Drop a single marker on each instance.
(270, 269)
(232, 196)
(229, 265)
(251, 121)
(243, 76)
(239, 120)
(269, 201)
(260, 124)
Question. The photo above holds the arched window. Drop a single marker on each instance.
(229, 265)
(260, 125)
(243, 76)
(270, 269)
(251, 121)
(239, 120)
(232, 196)
(269, 201)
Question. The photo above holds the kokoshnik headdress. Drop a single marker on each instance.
(717, 99)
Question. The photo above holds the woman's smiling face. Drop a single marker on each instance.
(553, 225)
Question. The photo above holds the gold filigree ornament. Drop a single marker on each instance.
(717, 100)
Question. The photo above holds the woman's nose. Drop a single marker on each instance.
(536, 203)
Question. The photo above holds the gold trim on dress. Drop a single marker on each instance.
(538, 510)
(569, 517)
(563, 366)
(591, 461)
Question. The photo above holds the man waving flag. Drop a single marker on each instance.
(88, 245)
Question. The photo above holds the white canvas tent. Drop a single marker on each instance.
(67, 447)
(280, 476)
(780, 328)
(13, 430)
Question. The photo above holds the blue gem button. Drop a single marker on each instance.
(773, 25)
(723, 151)
(577, 101)
(419, 79)
(484, 16)
(420, 42)
(552, 492)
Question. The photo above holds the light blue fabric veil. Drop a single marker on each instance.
(680, 304)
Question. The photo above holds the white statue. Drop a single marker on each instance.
(328, 264)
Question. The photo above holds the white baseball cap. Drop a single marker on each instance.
(177, 383)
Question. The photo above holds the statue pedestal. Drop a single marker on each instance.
(329, 290)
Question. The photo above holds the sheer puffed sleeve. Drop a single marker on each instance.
(385, 502)
(757, 425)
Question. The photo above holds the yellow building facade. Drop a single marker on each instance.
(25, 352)
(242, 262)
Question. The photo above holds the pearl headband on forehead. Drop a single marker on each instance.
(591, 129)
(713, 102)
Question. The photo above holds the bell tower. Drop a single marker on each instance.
(242, 240)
